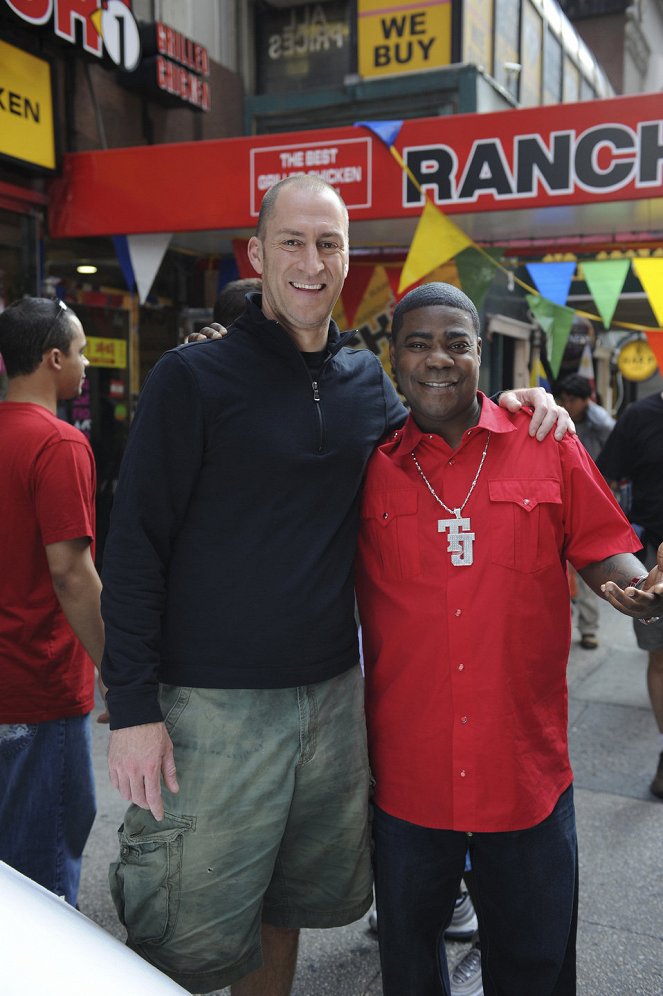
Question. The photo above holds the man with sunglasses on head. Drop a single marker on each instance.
(50, 621)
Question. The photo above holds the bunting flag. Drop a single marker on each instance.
(556, 321)
(538, 376)
(586, 366)
(436, 240)
(605, 279)
(394, 277)
(655, 340)
(146, 253)
(358, 278)
(386, 131)
(244, 267)
(650, 274)
(122, 252)
(552, 280)
(476, 271)
(377, 298)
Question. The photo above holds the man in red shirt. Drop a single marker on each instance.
(467, 524)
(50, 621)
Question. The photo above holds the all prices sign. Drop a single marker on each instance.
(345, 164)
(397, 37)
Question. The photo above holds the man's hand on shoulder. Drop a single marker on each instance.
(213, 331)
(138, 757)
(547, 413)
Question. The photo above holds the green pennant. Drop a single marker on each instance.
(476, 272)
(605, 279)
(556, 321)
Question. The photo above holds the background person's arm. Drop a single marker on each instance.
(77, 588)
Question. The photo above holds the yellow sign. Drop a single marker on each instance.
(106, 352)
(636, 361)
(26, 108)
(397, 37)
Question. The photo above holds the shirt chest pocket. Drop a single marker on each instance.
(526, 531)
(389, 526)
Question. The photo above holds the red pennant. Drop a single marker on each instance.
(655, 340)
(244, 267)
(354, 288)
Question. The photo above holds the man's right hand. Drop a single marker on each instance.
(213, 331)
(138, 757)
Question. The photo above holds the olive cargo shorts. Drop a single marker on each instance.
(270, 823)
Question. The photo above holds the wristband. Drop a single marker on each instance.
(636, 583)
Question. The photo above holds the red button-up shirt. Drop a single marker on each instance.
(466, 695)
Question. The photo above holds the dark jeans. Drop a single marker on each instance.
(524, 888)
(47, 802)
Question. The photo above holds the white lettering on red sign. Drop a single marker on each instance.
(345, 164)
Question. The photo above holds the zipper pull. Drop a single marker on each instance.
(316, 393)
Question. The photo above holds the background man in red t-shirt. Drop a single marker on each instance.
(467, 525)
(50, 621)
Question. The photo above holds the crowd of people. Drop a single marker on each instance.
(271, 472)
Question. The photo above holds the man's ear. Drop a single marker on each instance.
(52, 359)
(479, 344)
(254, 252)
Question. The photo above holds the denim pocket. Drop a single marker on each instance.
(146, 881)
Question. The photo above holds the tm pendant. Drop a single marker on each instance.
(460, 541)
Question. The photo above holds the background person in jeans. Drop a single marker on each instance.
(466, 526)
(50, 623)
(593, 425)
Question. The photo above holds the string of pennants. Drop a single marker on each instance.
(438, 240)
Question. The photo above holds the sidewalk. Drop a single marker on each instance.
(614, 749)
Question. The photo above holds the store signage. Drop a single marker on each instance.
(108, 27)
(106, 352)
(599, 161)
(175, 66)
(308, 44)
(345, 164)
(636, 360)
(26, 108)
(396, 37)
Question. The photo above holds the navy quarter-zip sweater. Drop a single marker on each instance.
(229, 561)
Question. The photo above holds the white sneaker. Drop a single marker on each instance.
(466, 976)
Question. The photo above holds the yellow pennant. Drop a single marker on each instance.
(650, 274)
(436, 240)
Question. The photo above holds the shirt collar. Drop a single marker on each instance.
(493, 418)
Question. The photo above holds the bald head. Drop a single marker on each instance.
(312, 184)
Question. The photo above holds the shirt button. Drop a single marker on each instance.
(462, 772)
(525, 501)
(385, 515)
(463, 720)
(469, 834)
(461, 667)
(452, 462)
(458, 612)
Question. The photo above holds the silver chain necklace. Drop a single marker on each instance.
(460, 540)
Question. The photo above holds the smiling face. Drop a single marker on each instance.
(302, 256)
(436, 357)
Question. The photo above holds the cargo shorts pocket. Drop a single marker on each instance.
(389, 523)
(145, 882)
(526, 529)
